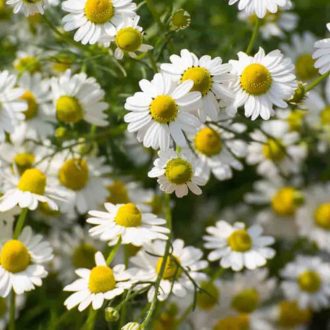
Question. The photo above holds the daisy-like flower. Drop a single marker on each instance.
(11, 105)
(21, 266)
(127, 222)
(174, 278)
(210, 76)
(178, 172)
(78, 97)
(238, 247)
(307, 281)
(322, 54)
(278, 152)
(160, 112)
(129, 38)
(219, 149)
(95, 20)
(29, 8)
(262, 81)
(97, 285)
(313, 218)
(260, 8)
(300, 51)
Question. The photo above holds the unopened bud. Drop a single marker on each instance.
(111, 314)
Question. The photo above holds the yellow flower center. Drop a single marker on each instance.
(237, 322)
(256, 79)
(201, 77)
(178, 171)
(322, 216)
(34, 181)
(14, 256)
(291, 315)
(68, 110)
(118, 193)
(28, 63)
(32, 104)
(101, 279)
(208, 142)
(83, 256)
(128, 215)
(240, 241)
(246, 301)
(274, 150)
(171, 267)
(24, 161)
(74, 174)
(3, 307)
(129, 39)
(207, 300)
(285, 201)
(99, 11)
(325, 116)
(309, 281)
(296, 119)
(163, 109)
(305, 69)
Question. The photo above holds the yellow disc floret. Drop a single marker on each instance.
(129, 39)
(273, 150)
(208, 142)
(34, 181)
(201, 77)
(28, 63)
(32, 105)
(83, 256)
(99, 11)
(296, 119)
(101, 279)
(325, 116)
(178, 171)
(74, 174)
(68, 110)
(305, 69)
(237, 322)
(246, 301)
(128, 215)
(118, 193)
(256, 79)
(163, 109)
(24, 161)
(171, 267)
(208, 297)
(291, 315)
(322, 216)
(14, 256)
(285, 201)
(309, 281)
(240, 240)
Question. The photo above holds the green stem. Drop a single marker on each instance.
(20, 223)
(12, 311)
(154, 13)
(113, 251)
(253, 37)
(317, 81)
(89, 325)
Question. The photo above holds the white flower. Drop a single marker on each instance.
(237, 247)
(278, 151)
(78, 97)
(210, 76)
(12, 107)
(313, 218)
(96, 285)
(29, 8)
(160, 112)
(260, 8)
(262, 81)
(21, 266)
(322, 54)
(178, 172)
(149, 261)
(127, 222)
(307, 280)
(95, 20)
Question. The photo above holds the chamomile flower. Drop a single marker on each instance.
(21, 266)
(278, 151)
(300, 51)
(322, 54)
(238, 247)
(97, 285)
(29, 8)
(313, 219)
(95, 20)
(161, 112)
(78, 97)
(260, 8)
(262, 82)
(149, 262)
(11, 105)
(129, 38)
(127, 222)
(178, 172)
(307, 281)
(210, 76)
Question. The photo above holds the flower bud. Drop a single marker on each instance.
(180, 20)
(111, 314)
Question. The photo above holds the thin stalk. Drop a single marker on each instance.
(12, 311)
(317, 81)
(89, 325)
(20, 223)
(253, 37)
(113, 251)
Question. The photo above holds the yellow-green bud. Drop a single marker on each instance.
(111, 314)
